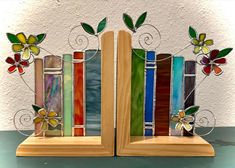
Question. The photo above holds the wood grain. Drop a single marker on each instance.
(123, 90)
(107, 91)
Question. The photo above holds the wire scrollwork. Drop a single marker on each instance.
(204, 119)
(76, 40)
(23, 122)
(150, 40)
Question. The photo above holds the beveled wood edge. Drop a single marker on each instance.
(124, 146)
(107, 91)
(66, 149)
(106, 148)
(124, 58)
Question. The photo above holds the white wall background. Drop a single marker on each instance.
(172, 18)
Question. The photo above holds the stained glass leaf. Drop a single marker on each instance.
(191, 110)
(224, 52)
(88, 28)
(101, 25)
(41, 37)
(12, 38)
(192, 32)
(140, 20)
(128, 21)
(36, 108)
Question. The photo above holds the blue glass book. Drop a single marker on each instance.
(150, 75)
(93, 92)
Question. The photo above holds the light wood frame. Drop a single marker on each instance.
(141, 145)
(88, 145)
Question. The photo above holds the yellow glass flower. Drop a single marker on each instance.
(201, 44)
(183, 120)
(46, 118)
(27, 45)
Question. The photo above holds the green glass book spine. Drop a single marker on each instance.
(68, 107)
(137, 92)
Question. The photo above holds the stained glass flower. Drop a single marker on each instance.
(212, 63)
(201, 44)
(27, 45)
(46, 118)
(17, 64)
(183, 121)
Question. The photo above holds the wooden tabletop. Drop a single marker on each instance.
(223, 140)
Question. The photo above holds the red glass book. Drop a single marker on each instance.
(163, 87)
(79, 94)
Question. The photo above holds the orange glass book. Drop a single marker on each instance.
(79, 94)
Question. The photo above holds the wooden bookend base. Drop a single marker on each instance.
(167, 146)
(84, 145)
(146, 146)
(63, 146)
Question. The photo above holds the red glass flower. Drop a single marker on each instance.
(17, 63)
(212, 63)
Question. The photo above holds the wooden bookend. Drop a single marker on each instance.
(146, 145)
(84, 145)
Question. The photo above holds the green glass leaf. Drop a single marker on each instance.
(224, 52)
(128, 21)
(192, 32)
(140, 20)
(88, 28)
(12, 38)
(41, 37)
(101, 25)
(36, 108)
(191, 110)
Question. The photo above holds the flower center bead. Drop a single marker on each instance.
(17, 64)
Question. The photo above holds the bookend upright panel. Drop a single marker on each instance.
(142, 145)
(74, 142)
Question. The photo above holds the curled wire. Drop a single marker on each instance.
(204, 122)
(21, 77)
(81, 42)
(148, 38)
(23, 121)
(199, 57)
